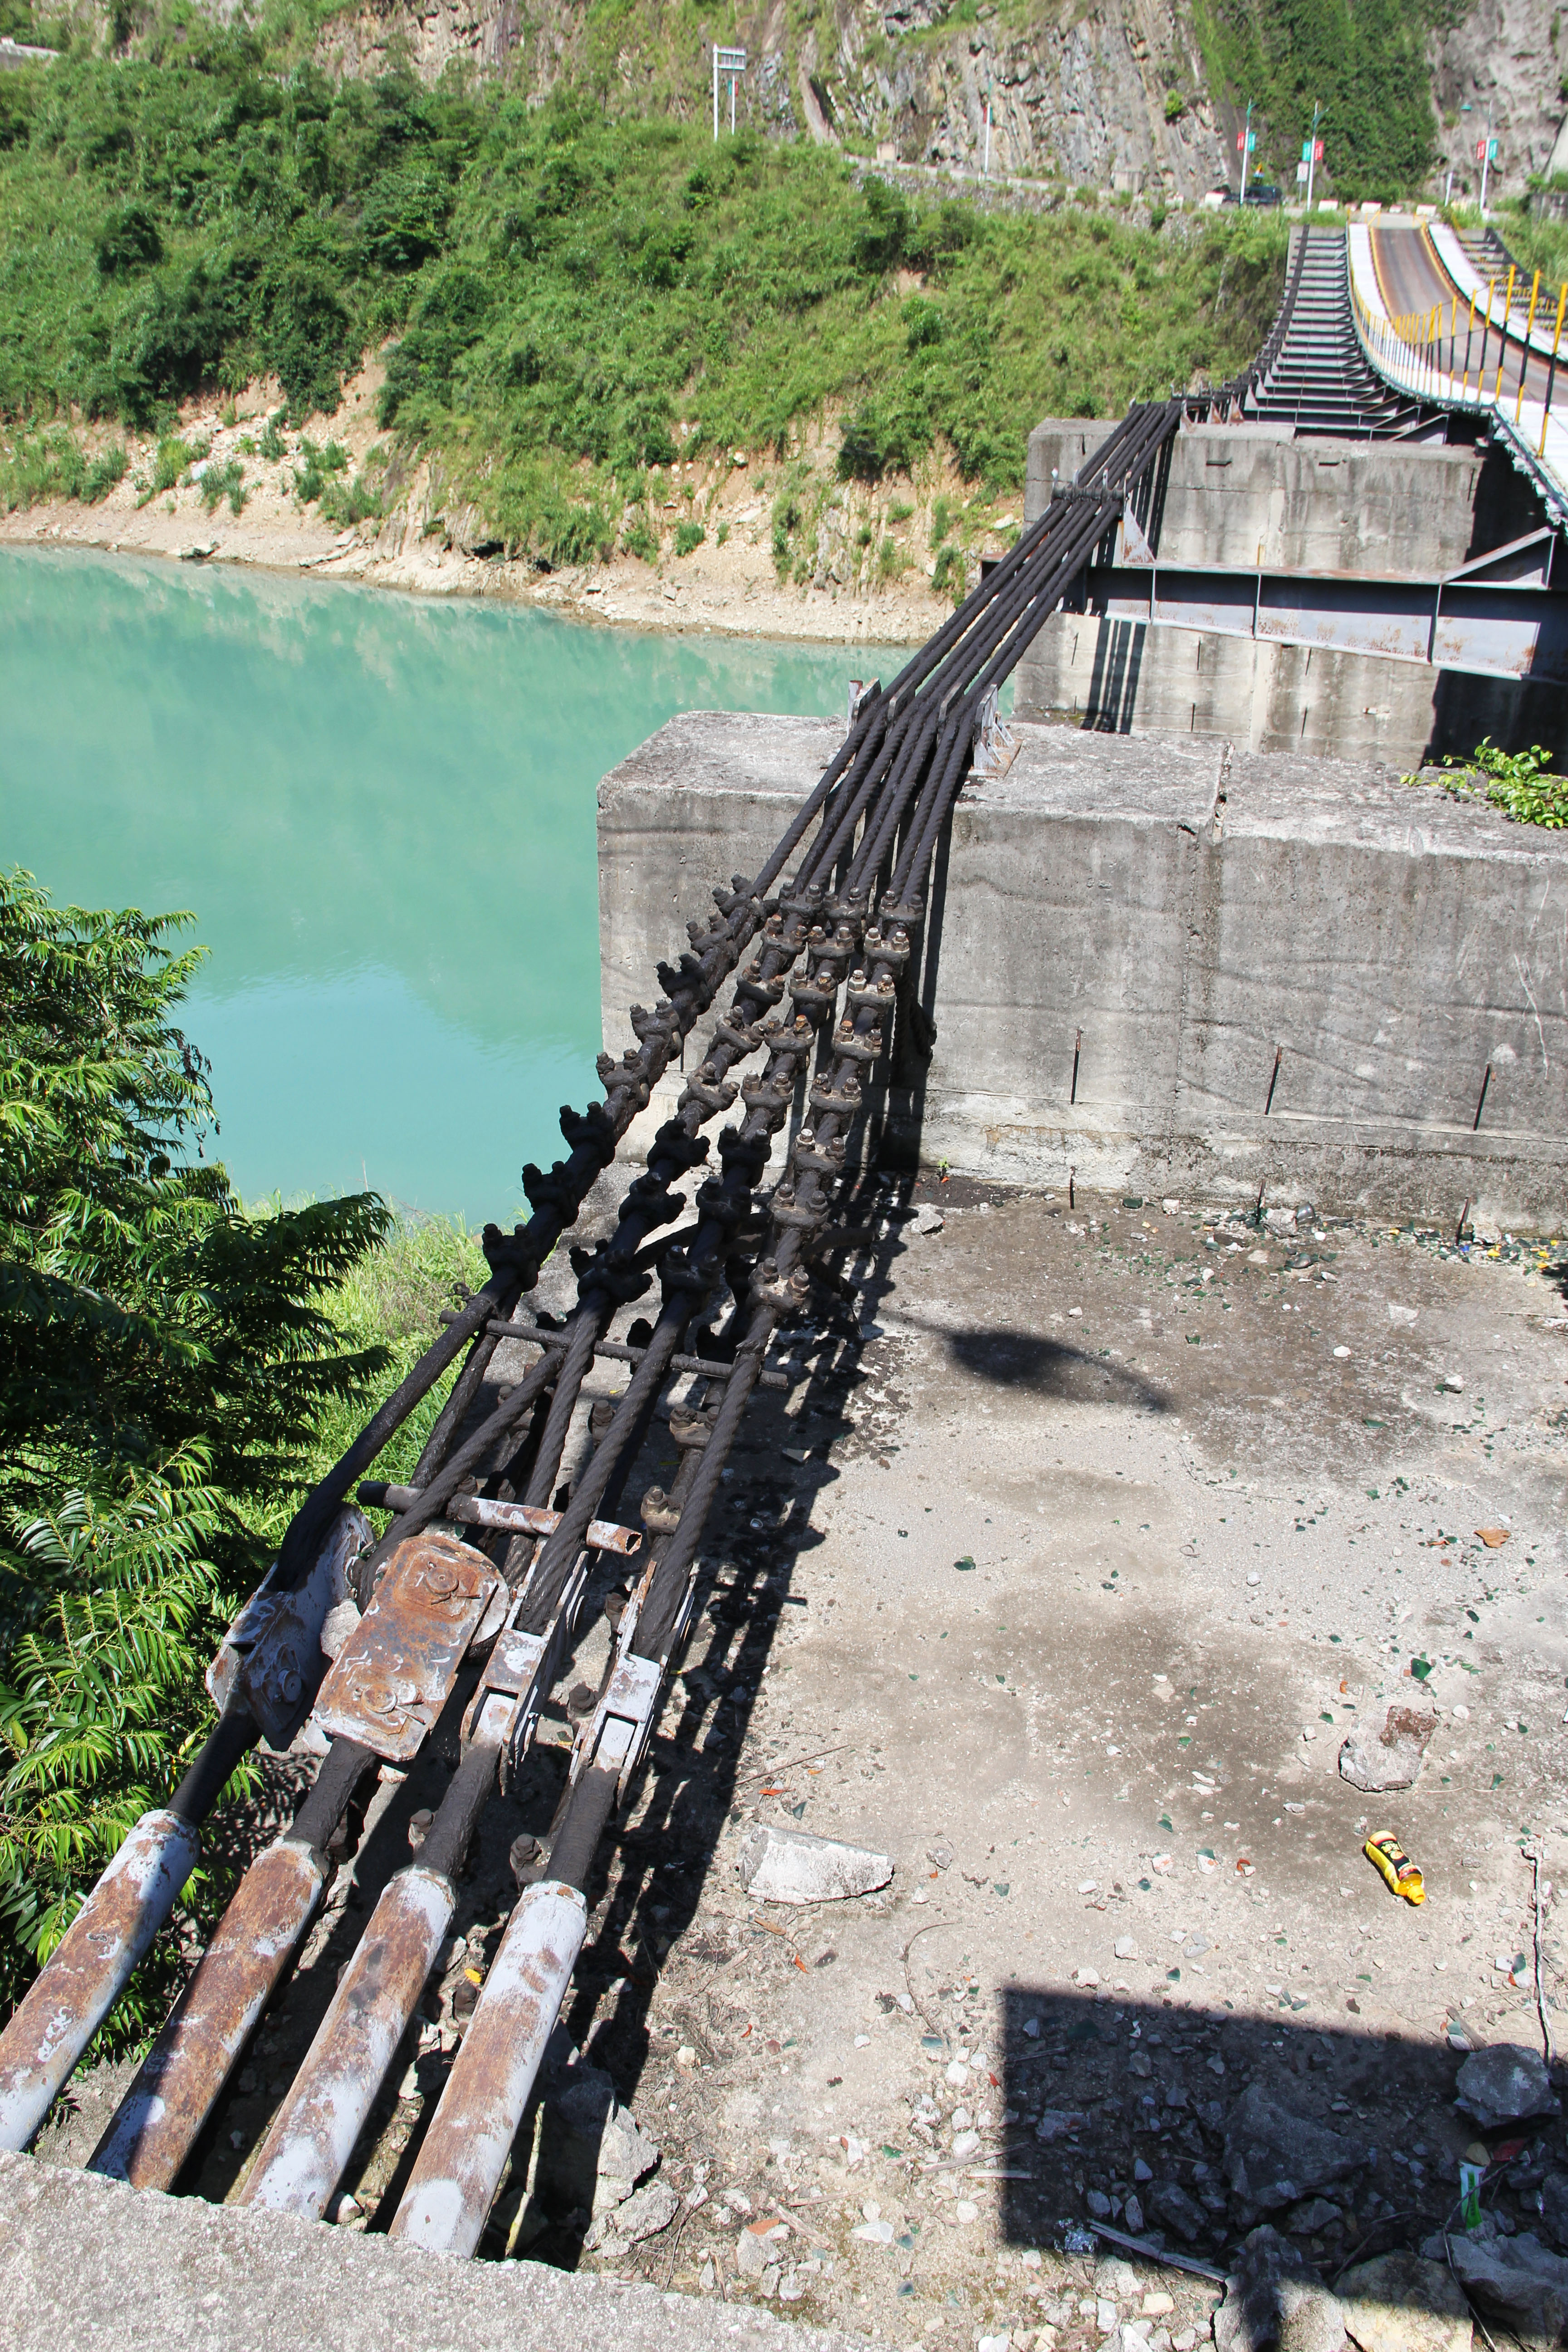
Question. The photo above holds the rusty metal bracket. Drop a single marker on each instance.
(616, 1737)
(394, 1674)
(271, 1660)
(516, 1518)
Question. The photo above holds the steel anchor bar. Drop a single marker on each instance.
(89, 1969)
(448, 2196)
(158, 2122)
(313, 2136)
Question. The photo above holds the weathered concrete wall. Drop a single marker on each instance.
(1190, 909)
(1248, 495)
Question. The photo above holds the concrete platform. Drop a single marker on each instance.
(1076, 1571)
(93, 2267)
(1186, 918)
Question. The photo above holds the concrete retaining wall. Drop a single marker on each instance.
(1190, 911)
(1239, 495)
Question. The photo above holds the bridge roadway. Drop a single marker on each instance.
(1422, 307)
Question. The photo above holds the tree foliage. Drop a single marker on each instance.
(1366, 61)
(165, 1359)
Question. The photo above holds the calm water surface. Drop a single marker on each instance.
(380, 810)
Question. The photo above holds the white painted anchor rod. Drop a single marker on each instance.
(89, 1969)
(312, 2135)
(463, 2153)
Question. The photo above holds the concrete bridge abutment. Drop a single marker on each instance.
(1171, 965)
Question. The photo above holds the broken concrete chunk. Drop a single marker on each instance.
(780, 1865)
(643, 2215)
(1273, 2158)
(592, 2153)
(1517, 2281)
(1389, 1758)
(1401, 2304)
(1505, 2085)
(760, 2245)
(927, 1218)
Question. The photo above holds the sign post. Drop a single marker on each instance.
(1312, 154)
(1247, 140)
(1486, 156)
(732, 64)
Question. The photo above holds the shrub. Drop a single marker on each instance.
(948, 574)
(107, 470)
(128, 241)
(42, 466)
(1515, 781)
(786, 522)
(689, 537)
(310, 479)
(173, 459)
(225, 481)
(722, 533)
(348, 504)
(641, 541)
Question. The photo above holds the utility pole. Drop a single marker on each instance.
(986, 172)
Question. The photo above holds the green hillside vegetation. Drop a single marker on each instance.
(1366, 63)
(569, 301)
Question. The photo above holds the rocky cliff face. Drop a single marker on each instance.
(1506, 61)
(1098, 92)
(1084, 93)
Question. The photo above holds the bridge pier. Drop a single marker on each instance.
(1239, 498)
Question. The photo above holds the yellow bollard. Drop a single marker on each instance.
(1524, 358)
(1552, 370)
(1502, 334)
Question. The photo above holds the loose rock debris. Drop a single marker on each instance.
(785, 1866)
(1043, 1599)
(1391, 1758)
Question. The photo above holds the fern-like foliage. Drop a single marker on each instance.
(102, 1701)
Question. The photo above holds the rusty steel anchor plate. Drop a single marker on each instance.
(395, 1672)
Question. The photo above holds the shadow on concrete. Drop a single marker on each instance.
(1046, 1367)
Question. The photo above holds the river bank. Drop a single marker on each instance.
(860, 559)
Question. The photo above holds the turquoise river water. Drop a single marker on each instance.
(380, 810)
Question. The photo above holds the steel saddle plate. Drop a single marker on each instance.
(393, 1676)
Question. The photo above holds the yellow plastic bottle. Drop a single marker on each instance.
(1394, 1866)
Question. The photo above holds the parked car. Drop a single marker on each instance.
(1217, 198)
(1263, 192)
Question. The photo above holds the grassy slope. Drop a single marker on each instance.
(394, 1299)
(573, 297)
